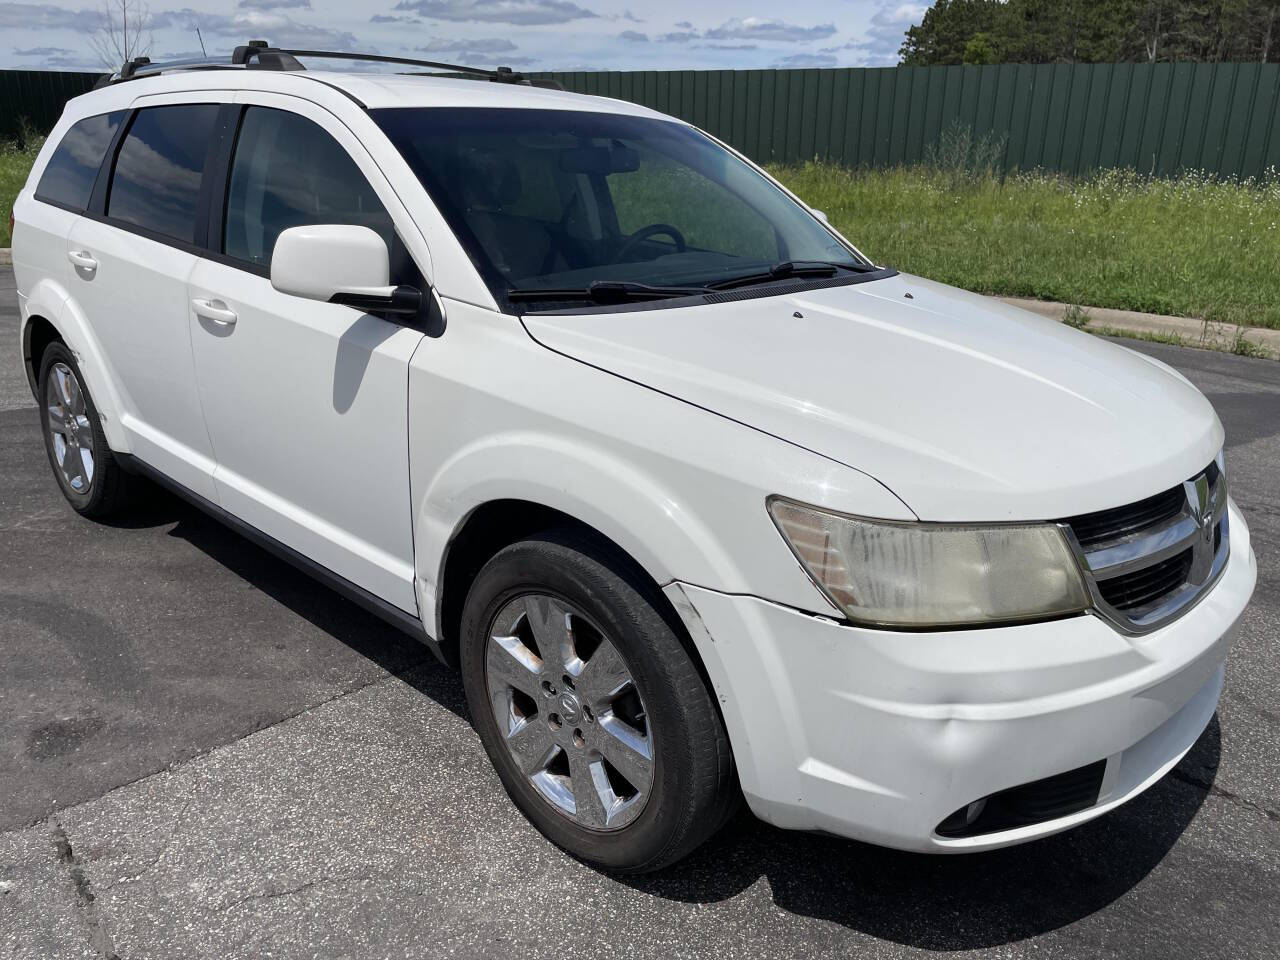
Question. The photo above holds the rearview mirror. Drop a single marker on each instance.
(601, 161)
(339, 263)
(819, 214)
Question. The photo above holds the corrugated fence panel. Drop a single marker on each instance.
(36, 97)
(1157, 118)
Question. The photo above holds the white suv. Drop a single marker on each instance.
(703, 503)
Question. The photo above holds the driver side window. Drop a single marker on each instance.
(288, 172)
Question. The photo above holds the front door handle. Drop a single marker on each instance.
(83, 260)
(214, 310)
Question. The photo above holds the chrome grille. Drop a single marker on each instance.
(1148, 562)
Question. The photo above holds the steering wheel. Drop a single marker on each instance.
(644, 233)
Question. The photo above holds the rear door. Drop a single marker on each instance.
(131, 259)
(306, 402)
(64, 190)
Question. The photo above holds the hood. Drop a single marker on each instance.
(965, 407)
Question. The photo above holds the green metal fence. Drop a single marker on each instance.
(1156, 118)
(36, 97)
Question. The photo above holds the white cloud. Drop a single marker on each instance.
(279, 28)
(32, 16)
(634, 36)
(519, 12)
(797, 60)
(275, 4)
(889, 25)
(42, 52)
(767, 28)
(463, 45)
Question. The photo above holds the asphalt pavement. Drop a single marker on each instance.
(204, 753)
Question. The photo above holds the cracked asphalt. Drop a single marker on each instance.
(203, 753)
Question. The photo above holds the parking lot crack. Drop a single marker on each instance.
(1228, 795)
(292, 891)
(152, 863)
(99, 937)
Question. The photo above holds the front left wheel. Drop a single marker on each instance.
(591, 706)
(86, 471)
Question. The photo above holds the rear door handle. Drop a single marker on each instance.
(82, 259)
(214, 310)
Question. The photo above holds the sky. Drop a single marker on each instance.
(522, 34)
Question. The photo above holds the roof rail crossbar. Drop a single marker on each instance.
(260, 55)
(500, 75)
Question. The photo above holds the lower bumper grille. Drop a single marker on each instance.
(1028, 804)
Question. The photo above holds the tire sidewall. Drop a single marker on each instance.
(642, 638)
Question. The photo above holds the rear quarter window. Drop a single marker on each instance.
(70, 174)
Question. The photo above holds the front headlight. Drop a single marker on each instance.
(915, 575)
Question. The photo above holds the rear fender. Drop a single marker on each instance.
(49, 299)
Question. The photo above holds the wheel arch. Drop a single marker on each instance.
(490, 527)
(51, 315)
(37, 333)
(497, 524)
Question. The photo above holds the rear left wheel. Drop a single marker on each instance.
(86, 471)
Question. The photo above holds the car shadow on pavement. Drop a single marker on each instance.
(322, 607)
(951, 902)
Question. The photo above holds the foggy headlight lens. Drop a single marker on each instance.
(917, 575)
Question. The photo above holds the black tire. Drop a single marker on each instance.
(106, 494)
(694, 788)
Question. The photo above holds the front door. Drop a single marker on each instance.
(306, 402)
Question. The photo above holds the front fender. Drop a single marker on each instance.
(594, 486)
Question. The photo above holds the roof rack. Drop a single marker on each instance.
(260, 55)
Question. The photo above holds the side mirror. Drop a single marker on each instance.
(339, 263)
(819, 214)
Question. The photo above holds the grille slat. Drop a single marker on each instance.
(1117, 538)
(1137, 589)
(1095, 528)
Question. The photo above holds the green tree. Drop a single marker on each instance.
(944, 33)
(981, 50)
(1094, 31)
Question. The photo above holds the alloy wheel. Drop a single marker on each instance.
(71, 433)
(569, 712)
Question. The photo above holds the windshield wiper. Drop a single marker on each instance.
(787, 269)
(605, 291)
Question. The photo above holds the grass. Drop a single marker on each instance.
(1192, 246)
(15, 161)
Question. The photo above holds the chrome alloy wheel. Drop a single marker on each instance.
(67, 420)
(569, 712)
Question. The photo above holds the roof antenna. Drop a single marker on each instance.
(201, 39)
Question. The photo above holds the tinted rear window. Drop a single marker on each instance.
(68, 179)
(156, 183)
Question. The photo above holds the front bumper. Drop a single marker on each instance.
(880, 735)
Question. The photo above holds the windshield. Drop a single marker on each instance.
(548, 200)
